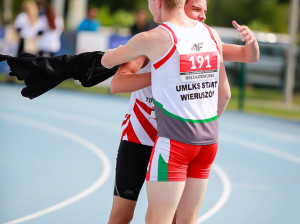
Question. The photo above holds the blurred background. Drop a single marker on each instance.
(50, 146)
(270, 86)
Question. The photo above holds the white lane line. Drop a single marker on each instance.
(261, 148)
(72, 137)
(224, 197)
(67, 116)
(270, 133)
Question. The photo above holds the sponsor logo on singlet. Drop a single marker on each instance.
(197, 47)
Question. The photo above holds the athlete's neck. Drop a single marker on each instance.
(178, 17)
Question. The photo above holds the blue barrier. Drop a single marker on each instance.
(68, 43)
(2, 32)
(116, 40)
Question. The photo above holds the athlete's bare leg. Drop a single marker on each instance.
(191, 200)
(163, 199)
(122, 211)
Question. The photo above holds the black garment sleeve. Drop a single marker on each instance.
(40, 74)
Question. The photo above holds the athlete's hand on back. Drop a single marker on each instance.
(244, 32)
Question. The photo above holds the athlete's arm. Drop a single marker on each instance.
(248, 53)
(224, 93)
(126, 80)
(140, 44)
(124, 53)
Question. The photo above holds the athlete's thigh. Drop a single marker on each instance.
(131, 167)
(191, 200)
(163, 199)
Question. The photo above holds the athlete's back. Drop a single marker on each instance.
(185, 86)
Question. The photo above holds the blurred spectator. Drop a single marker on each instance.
(90, 23)
(140, 23)
(27, 25)
(51, 28)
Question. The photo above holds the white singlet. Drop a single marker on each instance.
(185, 86)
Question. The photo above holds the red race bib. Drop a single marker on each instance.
(199, 65)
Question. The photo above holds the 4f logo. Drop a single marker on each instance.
(197, 47)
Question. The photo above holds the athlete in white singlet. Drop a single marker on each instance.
(164, 197)
(122, 211)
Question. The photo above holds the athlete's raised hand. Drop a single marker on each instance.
(245, 32)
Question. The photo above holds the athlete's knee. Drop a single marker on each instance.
(187, 220)
(149, 218)
(153, 217)
(120, 219)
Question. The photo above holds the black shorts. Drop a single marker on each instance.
(131, 168)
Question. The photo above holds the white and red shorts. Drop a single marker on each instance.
(174, 161)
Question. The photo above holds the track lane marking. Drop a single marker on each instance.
(270, 133)
(72, 137)
(261, 148)
(66, 116)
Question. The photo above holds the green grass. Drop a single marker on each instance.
(267, 102)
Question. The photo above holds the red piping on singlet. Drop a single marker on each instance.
(212, 36)
(162, 61)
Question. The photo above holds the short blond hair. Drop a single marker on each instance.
(174, 3)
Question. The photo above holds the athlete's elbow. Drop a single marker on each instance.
(228, 96)
(114, 89)
(225, 97)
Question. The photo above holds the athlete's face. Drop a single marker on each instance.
(196, 9)
(154, 7)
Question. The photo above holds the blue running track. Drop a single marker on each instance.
(57, 160)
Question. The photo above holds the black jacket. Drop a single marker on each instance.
(40, 74)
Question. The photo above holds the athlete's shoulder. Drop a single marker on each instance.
(152, 35)
(217, 36)
(218, 40)
(140, 39)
